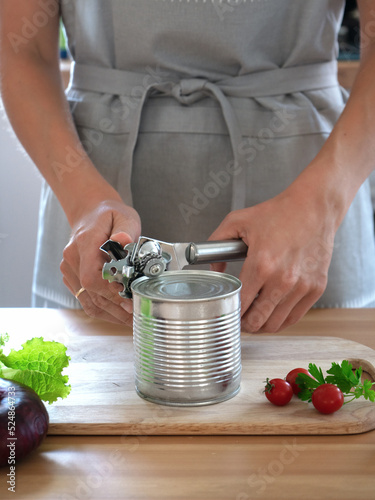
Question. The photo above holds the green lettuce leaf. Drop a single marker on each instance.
(39, 365)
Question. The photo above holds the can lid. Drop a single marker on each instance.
(187, 285)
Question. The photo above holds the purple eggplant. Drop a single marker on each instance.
(24, 421)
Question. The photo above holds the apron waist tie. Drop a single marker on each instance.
(187, 91)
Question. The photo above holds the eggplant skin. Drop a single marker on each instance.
(29, 424)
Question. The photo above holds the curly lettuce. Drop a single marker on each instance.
(39, 365)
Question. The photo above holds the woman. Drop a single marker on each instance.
(198, 119)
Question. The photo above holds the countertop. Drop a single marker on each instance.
(195, 467)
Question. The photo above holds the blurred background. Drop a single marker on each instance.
(349, 33)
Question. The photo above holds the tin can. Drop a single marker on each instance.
(187, 337)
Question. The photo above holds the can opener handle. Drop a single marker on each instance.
(208, 252)
(150, 257)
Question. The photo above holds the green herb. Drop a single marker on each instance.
(342, 375)
(39, 365)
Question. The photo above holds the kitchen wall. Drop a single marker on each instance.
(20, 185)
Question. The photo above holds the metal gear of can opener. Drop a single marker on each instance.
(150, 257)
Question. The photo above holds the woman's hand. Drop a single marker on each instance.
(290, 248)
(290, 237)
(40, 115)
(83, 260)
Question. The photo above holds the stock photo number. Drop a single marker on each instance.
(11, 445)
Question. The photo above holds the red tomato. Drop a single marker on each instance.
(327, 398)
(291, 378)
(278, 391)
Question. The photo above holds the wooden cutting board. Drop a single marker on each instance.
(103, 400)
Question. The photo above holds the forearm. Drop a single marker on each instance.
(35, 102)
(348, 156)
(36, 106)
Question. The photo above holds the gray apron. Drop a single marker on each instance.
(195, 108)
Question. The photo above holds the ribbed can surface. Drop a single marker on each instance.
(187, 341)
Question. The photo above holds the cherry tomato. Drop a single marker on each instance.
(327, 398)
(278, 391)
(291, 378)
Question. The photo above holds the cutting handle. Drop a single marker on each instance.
(208, 252)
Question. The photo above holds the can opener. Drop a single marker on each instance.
(150, 257)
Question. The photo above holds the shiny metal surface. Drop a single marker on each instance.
(216, 251)
(150, 257)
(187, 337)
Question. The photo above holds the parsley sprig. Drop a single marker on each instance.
(342, 375)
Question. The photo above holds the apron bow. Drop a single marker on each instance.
(188, 91)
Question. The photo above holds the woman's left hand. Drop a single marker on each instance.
(290, 244)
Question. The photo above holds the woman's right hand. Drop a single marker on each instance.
(40, 115)
(83, 260)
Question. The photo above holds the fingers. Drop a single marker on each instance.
(69, 277)
(289, 253)
(96, 305)
(230, 228)
(227, 230)
(99, 307)
(122, 238)
(83, 259)
(280, 306)
(298, 312)
(253, 279)
(100, 298)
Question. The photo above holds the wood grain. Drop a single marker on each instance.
(103, 399)
(198, 468)
(218, 467)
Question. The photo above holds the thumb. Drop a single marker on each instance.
(126, 218)
(122, 238)
(227, 230)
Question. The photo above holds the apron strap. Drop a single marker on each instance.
(139, 87)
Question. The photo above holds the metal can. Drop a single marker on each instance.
(187, 337)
